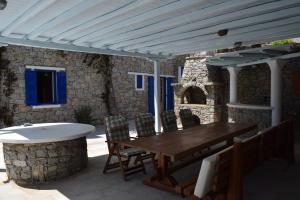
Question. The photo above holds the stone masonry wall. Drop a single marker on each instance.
(84, 85)
(36, 163)
(254, 85)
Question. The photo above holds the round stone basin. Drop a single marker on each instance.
(44, 152)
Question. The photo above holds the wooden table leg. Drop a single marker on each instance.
(163, 180)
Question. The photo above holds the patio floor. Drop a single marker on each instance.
(272, 181)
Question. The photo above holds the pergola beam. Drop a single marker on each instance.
(78, 26)
(141, 18)
(230, 39)
(247, 38)
(50, 45)
(31, 12)
(77, 9)
(183, 19)
(133, 40)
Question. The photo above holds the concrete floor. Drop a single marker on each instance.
(272, 181)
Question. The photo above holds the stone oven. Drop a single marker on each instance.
(200, 90)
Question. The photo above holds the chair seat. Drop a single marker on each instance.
(132, 152)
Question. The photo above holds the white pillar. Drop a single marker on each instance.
(276, 86)
(233, 76)
(157, 95)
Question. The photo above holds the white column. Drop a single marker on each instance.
(276, 86)
(157, 95)
(233, 76)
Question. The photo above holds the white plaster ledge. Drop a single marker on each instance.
(45, 133)
(249, 106)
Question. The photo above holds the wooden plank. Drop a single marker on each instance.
(179, 144)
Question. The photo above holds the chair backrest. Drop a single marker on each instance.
(214, 174)
(145, 125)
(169, 121)
(187, 118)
(116, 128)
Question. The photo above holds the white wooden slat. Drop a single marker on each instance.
(169, 8)
(128, 7)
(38, 7)
(214, 46)
(243, 35)
(251, 40)
(135, 37)
(132, 14)
(68, 47)
(13, 11)
(257, 19)
(66, 15)
(205, 13)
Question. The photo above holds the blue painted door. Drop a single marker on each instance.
(151, 94)
(169, 97)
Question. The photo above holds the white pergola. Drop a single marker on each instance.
(153, 29)
(275, 56)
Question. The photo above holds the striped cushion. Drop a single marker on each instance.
(169, 121)
(116, 128)
(145, 125)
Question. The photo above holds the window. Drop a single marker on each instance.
(139, 82)
(45, 86)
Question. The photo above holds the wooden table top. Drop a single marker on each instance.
(178, 144)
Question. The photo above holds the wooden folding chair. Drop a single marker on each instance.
(145, 128)
(187, 118)
(116, 131)
(169, 121)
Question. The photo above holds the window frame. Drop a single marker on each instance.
(54, 70)
(136, 83)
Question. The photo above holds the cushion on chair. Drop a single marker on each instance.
(169, 121)
(145, 125)
(116, 128)
(131, 152)
(206, 175)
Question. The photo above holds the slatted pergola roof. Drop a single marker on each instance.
(255, 56)
(146, 28)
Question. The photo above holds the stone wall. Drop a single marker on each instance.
(36, 163)
(129, 101)
(254, 86)
(84, 85)
(260, 117)
(206, 113)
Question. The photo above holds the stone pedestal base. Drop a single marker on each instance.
(42, 162)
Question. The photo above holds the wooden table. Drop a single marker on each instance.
(178, 145)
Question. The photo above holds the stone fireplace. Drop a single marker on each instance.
(200, 90)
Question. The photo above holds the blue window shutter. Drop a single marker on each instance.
(151, 94)
(31, 87)
(139, 81)
(169, 94)
(61, 87)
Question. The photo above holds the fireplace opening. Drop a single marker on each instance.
(193, 95)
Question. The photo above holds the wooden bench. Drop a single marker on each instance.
(221, 175)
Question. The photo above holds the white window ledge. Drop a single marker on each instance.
(47, 106)
(249, 106)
